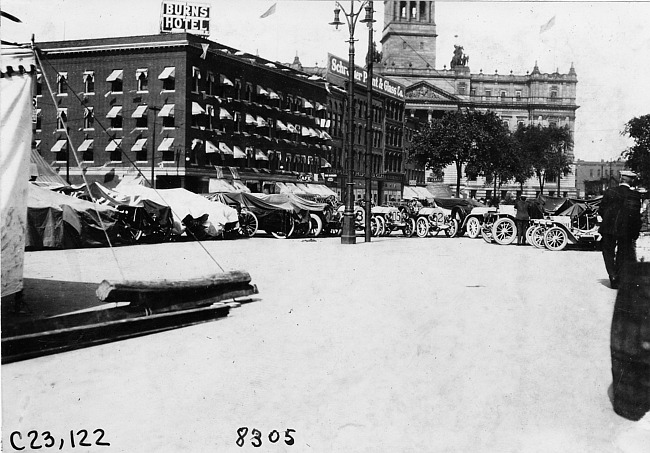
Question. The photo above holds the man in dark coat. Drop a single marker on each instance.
(521, 219)
(620, 210)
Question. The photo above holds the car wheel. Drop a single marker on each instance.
(422, 227)
(409, 228)
(315, 225)
(248, 223)
(555, 239)
(537, 236)
(473, 227)
(453, 228)
(284, 232)
(504, 231)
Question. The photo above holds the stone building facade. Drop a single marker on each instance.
(409, 58)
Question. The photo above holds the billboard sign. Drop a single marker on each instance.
(180, 16)
(339, 67)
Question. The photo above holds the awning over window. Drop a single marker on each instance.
(324, 163)
(168, 72)
(62, 75)
(166, 110)
(61, 113)
(196, 72)
(273, 94)
(166, 144)
(141, 71)
(210, 148)
(37, 144)
(239, 153)
(223, 80)
(115, 75)
(114, 112)
(325, 136)
(139, 144)
(261, 122)
(139, 111)
(280, 125)
(224, 114)
(196, 143)
(197, 109)
(59, 145)
(86, 145)
(262, 91)
(320, 106)
(113, 144)
(209, 109)
(250, 119)
(292, 128)
(89, 75)
(306, 104)
(224, 149)
(260, 155)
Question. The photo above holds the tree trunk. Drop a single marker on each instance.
(459, 167)
(540, 179)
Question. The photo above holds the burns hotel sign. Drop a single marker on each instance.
(179, 16)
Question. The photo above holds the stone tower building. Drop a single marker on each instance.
(409, 57)
(409, 34)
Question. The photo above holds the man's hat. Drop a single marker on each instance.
(628, 173)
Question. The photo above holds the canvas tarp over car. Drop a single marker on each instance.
(183, 203)
(249, 201)
(59, 221)
(298, 202)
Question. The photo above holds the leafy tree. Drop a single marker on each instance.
(545, 147)
(451, 139)
(496, 151)
(638, 156)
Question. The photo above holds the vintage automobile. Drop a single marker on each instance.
(429, 221)
(577, 224)
(499, 225)
(391, 219)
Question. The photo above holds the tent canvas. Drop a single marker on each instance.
(59, 221)
(16, 65)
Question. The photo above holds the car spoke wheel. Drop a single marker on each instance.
(248, 223)
(504, 231)
(453, 228)
(537, 236)
(409, 228)
(473, 227)
(380, 226)
(422, 227)
(315, 225)
(555, 239)
(529, 234)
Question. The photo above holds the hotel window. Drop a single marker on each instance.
(167, 114)
(553, 91)
(488, 93)
(142, 79)
(113, 147)
(472, 92)
(168, 76)
(89, 118)
(518, 95)
(62, 83)
(89, 81)
(211, 81)
(115, 79)
(404, 45)
(86, 150)
(421, 46)
(196, 79)
(237, 89)
(591, 173)
(249, 92)
(115, 116)
(61, 119)
(289, 102)
(402, 10)
(141, 117)
(462, 86)
(503, 94)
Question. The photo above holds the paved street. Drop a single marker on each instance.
(401, 345)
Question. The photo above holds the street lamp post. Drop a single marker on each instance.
(370, 57)
(348, 235)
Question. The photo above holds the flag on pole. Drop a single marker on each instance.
(548, 25)
(269, 11)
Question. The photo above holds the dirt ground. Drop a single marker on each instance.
(400, 345)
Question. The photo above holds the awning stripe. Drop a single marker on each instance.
(115, 75)
(86, 145)
(113, 144)
(114, 112)
(139, 144)
(197, 109)
(168, 72)
(140, 111)
(166, 144)
(58, 146)
(167, 110)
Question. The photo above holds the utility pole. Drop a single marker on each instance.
(153, 148)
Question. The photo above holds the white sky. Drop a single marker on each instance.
(608, 43)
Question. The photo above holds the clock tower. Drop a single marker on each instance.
(409, 35)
